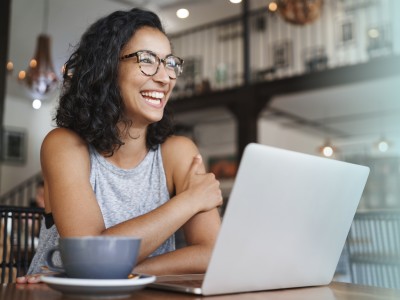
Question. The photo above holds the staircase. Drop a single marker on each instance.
(23, 193)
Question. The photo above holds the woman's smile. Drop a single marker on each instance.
(154, 98)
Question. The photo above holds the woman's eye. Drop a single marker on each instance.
(147, 60)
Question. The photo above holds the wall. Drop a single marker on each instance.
(19, 113)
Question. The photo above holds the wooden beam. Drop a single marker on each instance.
(246, 42)
(374, 69)
(5, 15)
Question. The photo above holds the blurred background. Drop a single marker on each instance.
(316, 76)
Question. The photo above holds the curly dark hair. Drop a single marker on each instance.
(91, 103)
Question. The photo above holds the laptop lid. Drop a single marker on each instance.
(286, 221)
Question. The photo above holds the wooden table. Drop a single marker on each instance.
(335, 291)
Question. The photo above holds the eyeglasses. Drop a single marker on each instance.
(149, 63)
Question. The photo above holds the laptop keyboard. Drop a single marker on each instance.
(194, 283)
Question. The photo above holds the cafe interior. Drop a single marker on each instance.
(315, 76)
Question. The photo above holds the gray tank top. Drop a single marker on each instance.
(121, 194)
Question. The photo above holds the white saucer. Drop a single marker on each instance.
(97, 287)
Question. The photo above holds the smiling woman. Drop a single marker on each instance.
(119, 169)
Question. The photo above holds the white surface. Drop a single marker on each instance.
(116, 288)
(98, 282)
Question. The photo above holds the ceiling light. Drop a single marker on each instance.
(272, 6)
(40, 78)
(327, 149)
(36, 104)
(182, 13)
(10, 66)
(383, 145)
(235, 1)
(21, 75)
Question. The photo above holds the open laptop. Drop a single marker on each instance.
(285, 224)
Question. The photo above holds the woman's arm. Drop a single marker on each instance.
(66, 170)
(201, 230)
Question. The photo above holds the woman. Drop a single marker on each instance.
(113, 167)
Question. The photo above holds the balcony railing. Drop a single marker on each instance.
(346, 33)
(374, 248)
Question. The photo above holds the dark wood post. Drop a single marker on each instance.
(5, 15)
(246, 42)
(247, 111)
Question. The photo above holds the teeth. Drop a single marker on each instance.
(153, 101)
(156, 95)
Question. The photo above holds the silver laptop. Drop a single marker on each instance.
(285, 224)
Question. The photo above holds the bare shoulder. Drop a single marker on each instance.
(178, 147)
(62, 139)
(63, 135)
(63, 145)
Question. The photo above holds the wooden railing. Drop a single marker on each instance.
(23, 193)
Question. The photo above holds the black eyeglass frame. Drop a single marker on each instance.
(160, 60)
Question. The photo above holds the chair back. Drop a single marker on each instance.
(19, 233)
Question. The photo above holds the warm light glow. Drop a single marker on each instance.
(327, 151)
(272, 6)
(21, 75)
(10, 66)
(182, 13)
(36, 104)
(33, 63)
(235, 1)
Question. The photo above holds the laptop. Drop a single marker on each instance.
(285, 224)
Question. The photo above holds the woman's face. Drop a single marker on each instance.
(144, 96)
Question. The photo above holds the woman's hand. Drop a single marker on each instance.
(203, 188)
(33, 278)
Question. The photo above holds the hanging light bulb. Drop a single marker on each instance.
(10, 67)
(383, 145)
(182, 13)
(36, 104)
(40, 78)
(327, 149)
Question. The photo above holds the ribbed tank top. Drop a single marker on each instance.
(122, 195)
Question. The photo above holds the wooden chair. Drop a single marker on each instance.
(19, 232)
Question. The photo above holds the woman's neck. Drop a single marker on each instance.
(133, 151)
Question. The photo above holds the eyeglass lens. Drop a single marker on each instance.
(149, 64)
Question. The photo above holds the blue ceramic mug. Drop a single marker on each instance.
(95, 257)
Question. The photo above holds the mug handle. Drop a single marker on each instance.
(49, 260)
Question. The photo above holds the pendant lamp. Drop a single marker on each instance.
(300, 12)
(41, 79)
